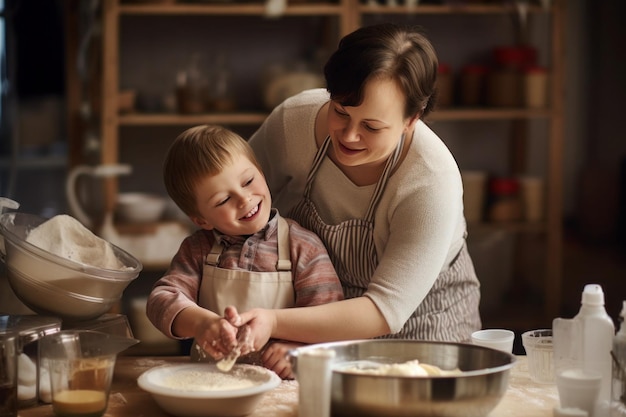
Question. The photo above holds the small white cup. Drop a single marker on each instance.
(579, 389)
(500, 339)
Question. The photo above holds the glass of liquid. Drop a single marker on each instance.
(81, 365)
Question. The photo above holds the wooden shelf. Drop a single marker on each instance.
(489, 114)
(317, 8)
(346, 16)
(191, 119)
(233, 9)
(35, 162)
(468, 9)
(256, 118)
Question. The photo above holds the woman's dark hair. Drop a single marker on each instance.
(386, 51)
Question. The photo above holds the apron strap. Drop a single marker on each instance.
(384, 178)
(213, 258)
(284, 256)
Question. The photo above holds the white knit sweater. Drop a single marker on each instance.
(419, 223)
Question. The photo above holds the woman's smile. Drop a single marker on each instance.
(348, 151)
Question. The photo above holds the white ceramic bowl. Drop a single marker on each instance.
(140, 207)
(201, 390)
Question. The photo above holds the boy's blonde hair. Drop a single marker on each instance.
(196, 153)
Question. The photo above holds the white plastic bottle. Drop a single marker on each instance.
(598, 331)
(618, 388)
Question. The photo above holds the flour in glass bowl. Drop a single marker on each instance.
(66, 237)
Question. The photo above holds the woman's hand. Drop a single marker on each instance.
(261, 324)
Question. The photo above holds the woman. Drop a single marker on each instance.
(360, 168)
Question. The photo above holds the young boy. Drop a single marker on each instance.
(244, 254)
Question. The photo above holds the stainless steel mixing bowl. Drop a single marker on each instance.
(472, 393)
(52, 285)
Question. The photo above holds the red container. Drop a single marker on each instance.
(504, 200)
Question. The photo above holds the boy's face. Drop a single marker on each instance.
(236, 201)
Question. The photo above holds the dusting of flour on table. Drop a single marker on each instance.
(66, 237)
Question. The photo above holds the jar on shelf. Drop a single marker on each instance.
(536, 87)
(192, 88)
(445, 86)
(472, 85)
(223, 99)
(505, 202)
(505, 80)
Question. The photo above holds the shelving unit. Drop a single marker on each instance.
(347, 15)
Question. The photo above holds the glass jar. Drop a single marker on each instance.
(8, 374)
(472, 85)
(505, 80)
(504, 200)
(30, 329)
(445, 86)
(536, 87)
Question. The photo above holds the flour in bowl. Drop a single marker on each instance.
(410, 368)
(66, 237)
(198, 380)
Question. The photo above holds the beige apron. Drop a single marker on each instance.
(246, 289)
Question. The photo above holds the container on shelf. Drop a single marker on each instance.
(472, 85)
(505, 80)
(474, 192)
(222, 96)
(504, 200)
(535, 87)
(192, 88)
(445, 86)
(532, 193)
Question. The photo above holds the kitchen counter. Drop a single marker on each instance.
(523, 398)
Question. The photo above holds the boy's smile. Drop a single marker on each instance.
(252, 212)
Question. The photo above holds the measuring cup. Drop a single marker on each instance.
(80, 364)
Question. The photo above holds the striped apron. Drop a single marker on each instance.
(450, 309)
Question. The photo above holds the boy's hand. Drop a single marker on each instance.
(275, 358)
(215, 336)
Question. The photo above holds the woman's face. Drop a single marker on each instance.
(367, 134)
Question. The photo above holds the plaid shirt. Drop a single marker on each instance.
(314, 278)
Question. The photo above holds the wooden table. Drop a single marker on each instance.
(524, 398)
